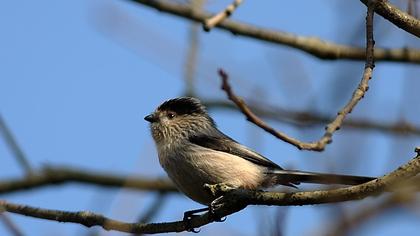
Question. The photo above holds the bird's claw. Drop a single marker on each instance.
(188, 216)
(215, 205)
(187, 223)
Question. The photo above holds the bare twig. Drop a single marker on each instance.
(234, 200)
(12, 227)
(14, 147)
(192, 53)
(252, 117)
(399, 18)
(308, 119)
(90, 219)
(334, 125)
(219, 17)
(154, 208)
(314, 46)
(346, 224)
(55, 176)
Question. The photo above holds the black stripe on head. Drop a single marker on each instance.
(183, 105)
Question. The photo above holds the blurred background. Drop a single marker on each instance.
(77, 77)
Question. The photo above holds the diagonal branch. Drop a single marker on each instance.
(55, 176)
(234, 200)
(239, 102)
(308, 119)
(346, 224)
(14, 146)
(154, 208)
(334, 125)
(10, 225)
(319, 48)
(399, 18)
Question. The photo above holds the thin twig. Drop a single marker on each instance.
(56, 176)
(348, 223)
(251, 116)
(154, 208)
(309, 118)
(314, 46)
(10, 225)
(219, 17)
(234, 200)
(192, 52)
(334, 125)
(14, 147)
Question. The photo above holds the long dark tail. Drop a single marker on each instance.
(291, 177)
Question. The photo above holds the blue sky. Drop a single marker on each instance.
(77, 78)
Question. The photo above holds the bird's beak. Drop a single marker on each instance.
(151, 118)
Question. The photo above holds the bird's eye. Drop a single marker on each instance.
(171, 115)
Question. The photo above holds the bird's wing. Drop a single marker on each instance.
(225, 144)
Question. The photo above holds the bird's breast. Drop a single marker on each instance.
(191, 168)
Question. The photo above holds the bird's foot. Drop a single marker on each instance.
(214, 206)
(212, 209)
(189, 215)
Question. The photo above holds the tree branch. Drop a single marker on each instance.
(365, 213)
(10, 225)
(399, 18)
(55, 176)
(153, 209)
(307, 119)
(234, 200)
(192, 52)
(334, 125)
(319, 48)
(14, 147)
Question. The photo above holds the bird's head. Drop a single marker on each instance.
(178, 119)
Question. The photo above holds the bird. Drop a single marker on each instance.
(194, 152)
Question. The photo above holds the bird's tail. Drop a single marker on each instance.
(292, 177)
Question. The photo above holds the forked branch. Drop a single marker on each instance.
(334, 125)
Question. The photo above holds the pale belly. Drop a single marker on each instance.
(191, 172)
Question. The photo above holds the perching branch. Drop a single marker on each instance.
(55, 176)
(319, 48)
(90, 219)
(399, 18)
(234, 200)
(219, 17)
(334, 125)
(396, 180)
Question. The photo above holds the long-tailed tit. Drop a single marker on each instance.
(194, 152)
